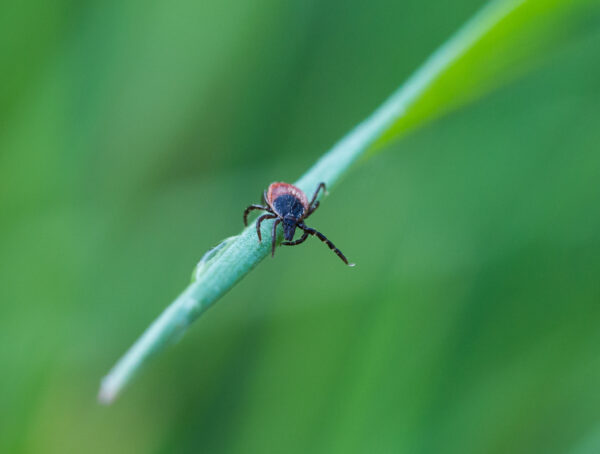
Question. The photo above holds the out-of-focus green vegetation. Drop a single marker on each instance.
(132, 135)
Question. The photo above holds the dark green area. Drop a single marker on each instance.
(133, 135)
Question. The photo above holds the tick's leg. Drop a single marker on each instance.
(253, 207)
(321, 185)
(312, 209)
(294, 243)
(259, 220)
(277, 221)
(314, 203)
(324, 239)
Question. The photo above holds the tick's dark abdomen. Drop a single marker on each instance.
(288, 205)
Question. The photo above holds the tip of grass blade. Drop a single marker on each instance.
(107, 393)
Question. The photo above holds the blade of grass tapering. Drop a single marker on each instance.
(438, 85)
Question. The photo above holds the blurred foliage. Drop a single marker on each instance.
(132, 135)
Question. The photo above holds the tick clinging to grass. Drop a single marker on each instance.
(288, 205)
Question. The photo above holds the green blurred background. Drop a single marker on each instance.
(133, 135)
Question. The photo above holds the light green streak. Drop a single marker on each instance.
(224, 266)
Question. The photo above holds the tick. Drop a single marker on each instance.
(289, 206)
